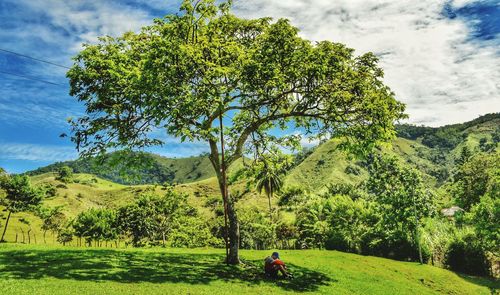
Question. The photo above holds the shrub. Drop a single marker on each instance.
(191, 232)
(50, 190)
(351, 169)
(65, 174)
(475, 178)
(338, 242)
(351, 223)
(256, 231)
(286, 234)
(404, 249)
(435, 237)
(485, 219)
(65, 235)
(152, 218)
(465, 254)
(291, 196)
(345, 189)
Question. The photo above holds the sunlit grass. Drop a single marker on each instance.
(65, 270)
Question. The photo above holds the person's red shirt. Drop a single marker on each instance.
(271, 264)
(278, 262)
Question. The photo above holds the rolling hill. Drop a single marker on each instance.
(431, 150)
(155, 169)
(89, 191)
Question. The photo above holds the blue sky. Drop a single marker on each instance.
(442, 58)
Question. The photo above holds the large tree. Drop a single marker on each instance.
(402, 198)
(186, 71)
(475, 178)
(152, 217)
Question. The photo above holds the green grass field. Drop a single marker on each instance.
(65, 270)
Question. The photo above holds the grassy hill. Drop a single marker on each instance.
(42, 270)
(58, 270)
(155, 169)
(434, 155)
(431, 150)
(327, 165)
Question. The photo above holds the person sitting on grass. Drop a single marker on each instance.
(273, 264)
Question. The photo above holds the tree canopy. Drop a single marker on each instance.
(65, 174)
(476, 177)
(20, 195)
(179, 72)
(151, 217)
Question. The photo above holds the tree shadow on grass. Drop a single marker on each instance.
(144, 266)
(488, 282)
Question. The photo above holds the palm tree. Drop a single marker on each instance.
(270, 181)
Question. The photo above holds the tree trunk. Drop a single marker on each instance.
(234, 234)
(233, 228)
(269, 196)
(5, 227)
(44, 240)
(417, 240)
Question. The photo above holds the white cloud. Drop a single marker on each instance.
(36, 114)
(90, 19)
(430, 62)
(35, 152)
(309, 142)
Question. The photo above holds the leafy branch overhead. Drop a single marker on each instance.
(181, 72)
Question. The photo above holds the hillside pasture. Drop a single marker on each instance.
(63, 270)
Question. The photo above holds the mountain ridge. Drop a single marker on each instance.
(432, 150)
